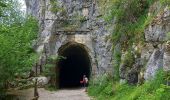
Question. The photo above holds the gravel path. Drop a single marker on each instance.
(63, 94)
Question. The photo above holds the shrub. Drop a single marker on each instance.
(116, 63)
(101, 86)
(154, 89)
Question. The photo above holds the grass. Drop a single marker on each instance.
(151, 90)
(101, 87)
(51, 88)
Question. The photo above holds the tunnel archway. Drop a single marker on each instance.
(74, 65)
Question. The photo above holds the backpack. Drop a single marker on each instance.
(86, 80)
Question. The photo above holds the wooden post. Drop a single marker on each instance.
(45, 52)
(41, 70)
(36, 69)
(36, 95)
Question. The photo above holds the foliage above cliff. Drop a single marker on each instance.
(130, 17)
(165, 2)
(55, 7)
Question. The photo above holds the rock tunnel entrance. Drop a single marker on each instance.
(75, 64)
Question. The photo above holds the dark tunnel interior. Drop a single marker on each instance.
(74, 66)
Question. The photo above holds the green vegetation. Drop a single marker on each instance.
(51, 70)
(50, 66)
(16, 36)
(165, 2)
(130, 19)
(78, 18)
(168, 36)
(55, 7)
(152, 90)
(130, 16)
(128, 59)
(101, 87)
(116, 63)
(72, 25)
(17, 56)
(2, 5)
(167, 76)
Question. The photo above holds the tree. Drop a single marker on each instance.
(2, 5)
(17, 33)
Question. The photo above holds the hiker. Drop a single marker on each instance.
(85, 82)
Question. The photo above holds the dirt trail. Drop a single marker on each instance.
(63, 94)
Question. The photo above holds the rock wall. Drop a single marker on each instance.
(154, 52)
(63, 21)
(82, 20)
(156, 36)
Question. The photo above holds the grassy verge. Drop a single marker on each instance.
(151, 90)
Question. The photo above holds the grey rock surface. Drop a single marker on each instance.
(78, 15)
(74, 15)
(156, 36)
(155, 62)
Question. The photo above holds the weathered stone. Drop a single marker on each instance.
(132, 74)
(155, 62)
(147, 50)
(41, 81)
(122, 81)
(166, 58)
(122, 71)
(156, 35)
(76, 15)
(60, 28)
(156, 32)
(132, 77)
(123, 67)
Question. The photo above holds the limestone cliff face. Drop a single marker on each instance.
(154, 53)
(82, 20)
(64, 21)
(156, 36)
